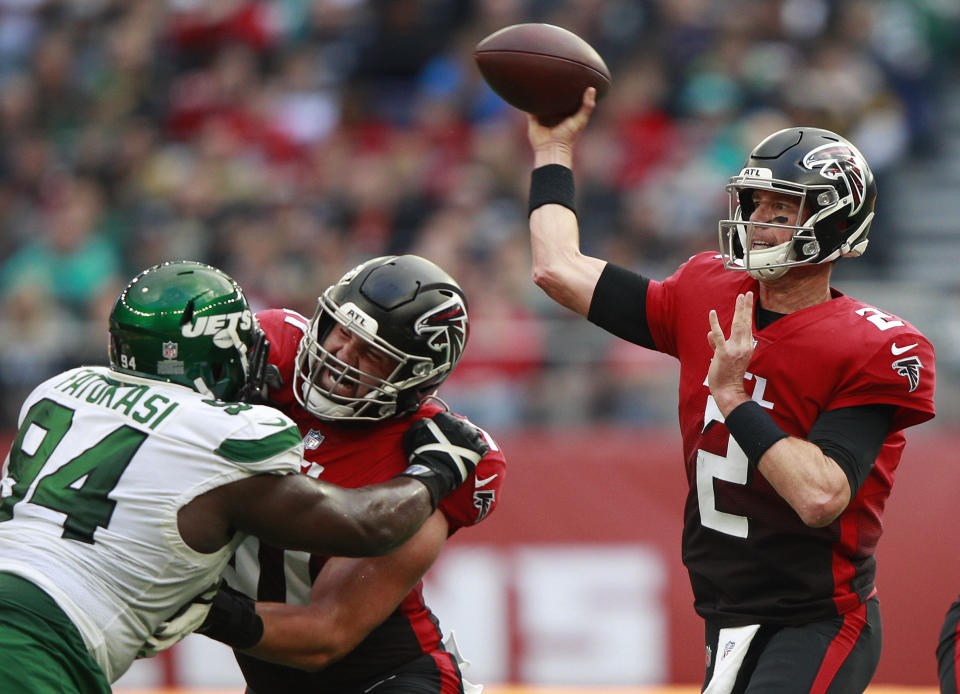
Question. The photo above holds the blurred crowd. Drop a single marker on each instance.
(285, 141)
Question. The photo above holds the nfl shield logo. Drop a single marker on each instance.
(170, 350)
(313, 439)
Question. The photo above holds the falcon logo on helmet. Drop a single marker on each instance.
(446, 327)
(840, 162)
(909, 368)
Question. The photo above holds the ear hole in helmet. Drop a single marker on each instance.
(827, 198)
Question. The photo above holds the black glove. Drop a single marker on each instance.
(443, 452)
(261, 375)
(233, 619)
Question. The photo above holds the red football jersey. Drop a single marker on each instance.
(353, 455)
(750, 557)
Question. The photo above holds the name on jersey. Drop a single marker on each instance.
(134, 401)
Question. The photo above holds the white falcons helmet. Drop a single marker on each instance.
(404, 307)
(836, 193)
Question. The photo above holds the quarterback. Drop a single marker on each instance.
(127, 489)
(793, 401)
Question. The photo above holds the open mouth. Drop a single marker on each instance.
(334, 382)
(343, 390)
(346, 384)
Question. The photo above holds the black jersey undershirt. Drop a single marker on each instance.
(852, 436)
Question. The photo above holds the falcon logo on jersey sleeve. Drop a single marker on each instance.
(483, 501)
(909, 368)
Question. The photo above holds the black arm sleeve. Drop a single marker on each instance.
(852, 436)
(619, 305)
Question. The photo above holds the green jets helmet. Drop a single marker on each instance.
(184, 322)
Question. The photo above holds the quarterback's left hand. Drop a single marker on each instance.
(180, 624)
(731, 356)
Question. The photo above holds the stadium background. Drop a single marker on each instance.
(285, 141)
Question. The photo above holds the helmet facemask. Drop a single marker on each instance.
(817, 204)
(835, 190)
(371, 397)
(404, 310)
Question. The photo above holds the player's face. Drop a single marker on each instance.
(775, 208)
(356, 352)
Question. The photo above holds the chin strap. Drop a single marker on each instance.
(201, 387)
(768, 273)
(854, 247)
(775, 254)
(321, 406)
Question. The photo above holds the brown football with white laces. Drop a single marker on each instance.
(541, 69)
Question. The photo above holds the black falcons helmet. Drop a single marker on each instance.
(837, 193)
(406, 308)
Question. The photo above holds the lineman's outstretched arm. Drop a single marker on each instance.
(443, 451)
(350, 598)
(301, 513)
(559, 268)
(297, 512)
(313, 636)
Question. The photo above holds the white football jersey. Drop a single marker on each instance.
(90, 490)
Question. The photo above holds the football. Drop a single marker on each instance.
(541, 69)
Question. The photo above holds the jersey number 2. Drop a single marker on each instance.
(79, 488)
(731, 468)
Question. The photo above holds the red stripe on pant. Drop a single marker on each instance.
(840, 648)
(449, 679)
